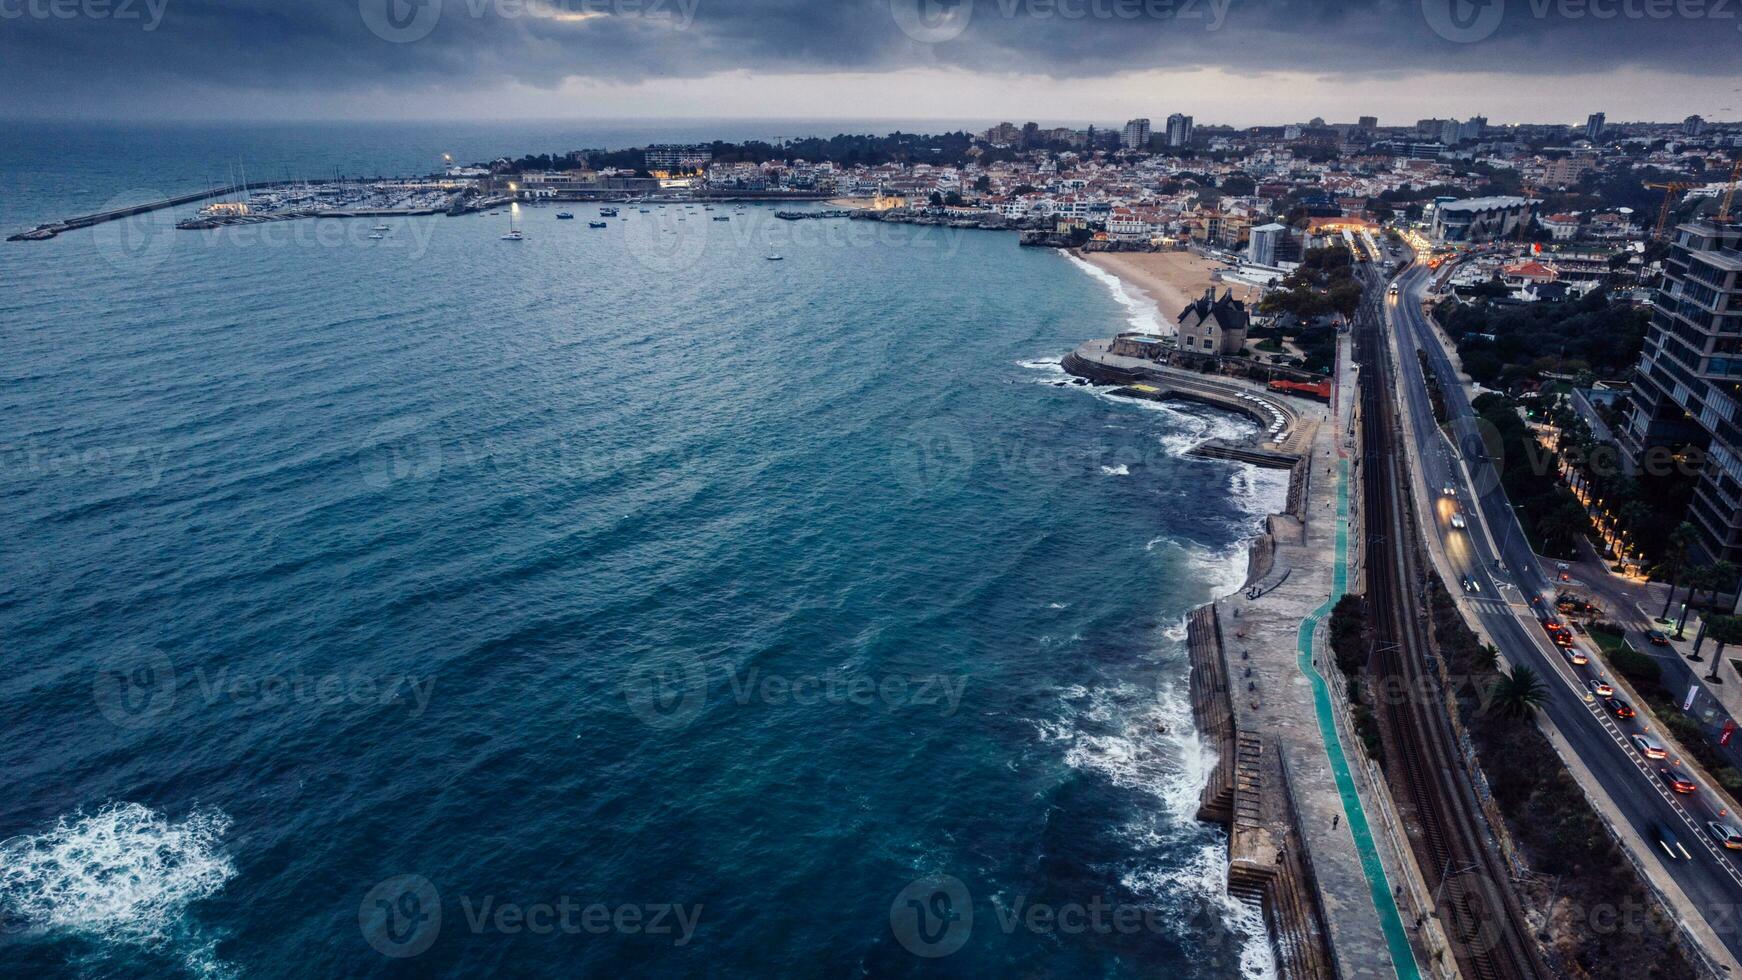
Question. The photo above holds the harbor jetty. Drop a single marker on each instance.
(1293, 848)
(50, 229)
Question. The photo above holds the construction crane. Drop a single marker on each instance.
(1670, 189)
(1730, 192)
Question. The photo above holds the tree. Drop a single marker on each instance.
(1725, 630)
(1519, 692)
(1487, 656)
(1675, 560)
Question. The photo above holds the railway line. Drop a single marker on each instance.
(1467, 878)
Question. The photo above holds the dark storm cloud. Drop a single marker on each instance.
(55, 50)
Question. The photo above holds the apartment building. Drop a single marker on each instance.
(1688, 388)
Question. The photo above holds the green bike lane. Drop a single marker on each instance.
(1390, 922)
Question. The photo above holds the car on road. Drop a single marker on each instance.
(1666, 839)
(1469, 584)
(1648, 748)
(1724, 834)
(1449, 490)
(1576, 656)
(1676, 781)
(1618, 707)
(1457, 520)
(1600, 688)
(1657, 638)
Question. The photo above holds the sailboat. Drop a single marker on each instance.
(514, 234)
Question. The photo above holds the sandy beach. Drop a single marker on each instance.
(1171, 279)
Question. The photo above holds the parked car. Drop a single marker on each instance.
(1678, 782)
(1648, 748)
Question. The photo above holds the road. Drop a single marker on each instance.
(1494, 553)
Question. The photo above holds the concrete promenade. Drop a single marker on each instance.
(1287, 783)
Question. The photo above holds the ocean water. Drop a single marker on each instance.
(614, 602)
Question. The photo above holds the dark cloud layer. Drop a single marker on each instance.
(56, 52)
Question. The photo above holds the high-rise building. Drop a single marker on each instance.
(1367, 122)
(1136, 135)
(1179, 129)
(1263, 245)
(1693, 126)
(1471, 128)
(1688, 387)
(1594, 126)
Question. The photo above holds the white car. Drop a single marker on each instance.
(1648, 748)
(1458, 521)
(1601, 688)
(1724, 834)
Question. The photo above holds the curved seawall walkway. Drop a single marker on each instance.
(1390, 922)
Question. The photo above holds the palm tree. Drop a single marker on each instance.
(1675, 560)
(1487, 656)
(1725, 630)
(1519, 693)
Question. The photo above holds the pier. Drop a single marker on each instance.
(46, 231)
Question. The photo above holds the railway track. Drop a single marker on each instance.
(1468, 881)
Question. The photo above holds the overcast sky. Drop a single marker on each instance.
(1237, 61)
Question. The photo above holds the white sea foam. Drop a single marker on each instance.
(1157, 750)
(1045, 365)
(1141, 313)
(1120, 470)
(124, 874)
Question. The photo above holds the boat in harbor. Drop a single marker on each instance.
(775, 257)
(380, 228)
(598, 224)
(722, 217)
(565, 215)
(514, 234)
(607, 212)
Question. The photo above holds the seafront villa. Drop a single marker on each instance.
(1214, 326)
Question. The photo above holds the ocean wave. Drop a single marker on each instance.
(1141, 313)
(124, 874)
(1120, 470)
(1149, 743)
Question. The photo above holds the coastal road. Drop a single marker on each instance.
(1494, 554)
